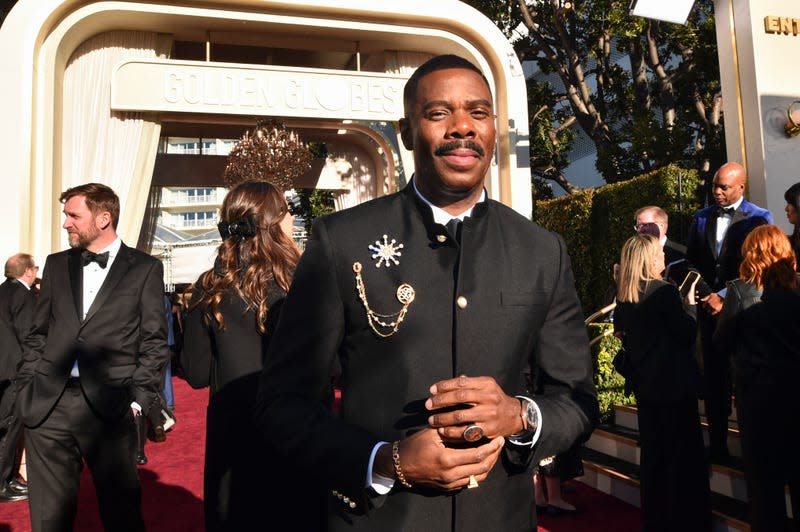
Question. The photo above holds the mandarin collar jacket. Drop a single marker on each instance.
(501, 302)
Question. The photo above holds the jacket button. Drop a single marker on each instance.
(80, 339)
(461, 302)
(441, 238)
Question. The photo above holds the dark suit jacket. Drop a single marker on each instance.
(121, 346)
(244, 479)
(765, 339)
(16, 316)
(658, 336)
(716, 271)
(521, 313)
(740, 296)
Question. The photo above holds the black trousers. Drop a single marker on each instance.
(10, 431)
(55, 450)
(717, 381)
(674, 472)
(768, 410)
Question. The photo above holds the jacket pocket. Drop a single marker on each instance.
(522, 298)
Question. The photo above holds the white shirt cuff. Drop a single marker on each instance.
(379, 483)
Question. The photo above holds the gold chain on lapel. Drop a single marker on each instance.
(405, 294)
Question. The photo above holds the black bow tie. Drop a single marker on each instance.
(100, 258)
(721, 211)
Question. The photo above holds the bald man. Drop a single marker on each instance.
(714, 247)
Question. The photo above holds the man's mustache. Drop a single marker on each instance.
(459, 144)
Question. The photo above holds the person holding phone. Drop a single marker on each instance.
(658, 329)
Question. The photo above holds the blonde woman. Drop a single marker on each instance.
(658, 332)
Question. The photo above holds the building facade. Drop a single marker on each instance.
(97, 86)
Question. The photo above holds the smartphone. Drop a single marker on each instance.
(688, 281)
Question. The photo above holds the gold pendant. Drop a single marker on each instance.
(384, 325)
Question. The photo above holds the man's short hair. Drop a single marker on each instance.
(439, 62)
(98, 198)
(17, 264)
(659, 214)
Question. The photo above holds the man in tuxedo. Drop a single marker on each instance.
(714, 246)
(95, 353)
(431, 305)
(16, 315)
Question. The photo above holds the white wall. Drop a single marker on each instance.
(760, 79)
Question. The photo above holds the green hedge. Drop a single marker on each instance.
(596, 222)
(610, 384)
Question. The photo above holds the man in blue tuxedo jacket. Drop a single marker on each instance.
(715, 248)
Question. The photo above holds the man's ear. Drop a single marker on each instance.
(405, 134)
(103, 220)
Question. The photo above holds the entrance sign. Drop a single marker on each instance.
(225, 88)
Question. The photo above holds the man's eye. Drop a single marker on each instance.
(437, 114)
(480, 114)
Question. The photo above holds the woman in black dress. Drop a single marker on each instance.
(759, 325)
(231, 315)
(658, 334)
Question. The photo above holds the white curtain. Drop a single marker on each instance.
(98, 145)
(401, 62)
(405, 63)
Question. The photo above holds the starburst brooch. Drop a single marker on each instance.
(386, 251)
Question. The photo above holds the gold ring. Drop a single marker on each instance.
(473, 433)
(473, 483)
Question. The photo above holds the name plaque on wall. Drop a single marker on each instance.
(785, 25)
(198, 87)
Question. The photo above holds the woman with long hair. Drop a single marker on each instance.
(231, 316)
(658, 333)
(759, 326)
(792, 197)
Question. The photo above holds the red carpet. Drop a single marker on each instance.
(172, 480)
(172, 486)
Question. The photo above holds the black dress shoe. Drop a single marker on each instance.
(18, 487)
(557, 510)
(7, 495)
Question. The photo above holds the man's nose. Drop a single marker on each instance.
(461, 125)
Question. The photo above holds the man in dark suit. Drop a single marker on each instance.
(16, 314)
(431, 305)
(95, 353)
(714, 247)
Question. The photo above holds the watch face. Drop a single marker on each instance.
(533, 419)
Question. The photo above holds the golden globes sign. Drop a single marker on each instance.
(223, 88)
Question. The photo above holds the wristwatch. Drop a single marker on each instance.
(530, 417)
(530, 422)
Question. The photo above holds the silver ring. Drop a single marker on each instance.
(473, 433)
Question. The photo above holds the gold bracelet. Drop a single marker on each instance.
(396, 461)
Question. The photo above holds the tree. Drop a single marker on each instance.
(5, 7)
(646, 93)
